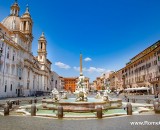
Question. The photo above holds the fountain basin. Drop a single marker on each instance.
(70, 105)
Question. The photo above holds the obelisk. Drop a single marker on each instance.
(81, 74)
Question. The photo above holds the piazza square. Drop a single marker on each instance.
(70, 65)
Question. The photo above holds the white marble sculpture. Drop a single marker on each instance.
(55, 94)
(64, 95)
(98, 96)
(105, 95)
(81, 91)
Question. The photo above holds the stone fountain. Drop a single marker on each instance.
(82, 103)
(81, 90)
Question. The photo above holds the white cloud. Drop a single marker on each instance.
(94, 69)
(87, 59)
(62, 65)
(91, 69)
(78, 68)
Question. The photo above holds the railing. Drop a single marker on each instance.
(153, 80)
(141, 81)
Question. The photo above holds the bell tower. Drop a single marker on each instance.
(26, 22)
(42, 52)
(15, 9)
(26, 27)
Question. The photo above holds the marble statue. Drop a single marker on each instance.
(55, 94)
(98, 96)
(105, 96)
(81, 90)
(64, 95)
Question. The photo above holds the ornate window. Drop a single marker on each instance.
(27, 85)
(1, 65)
(11, 88)
(8, 53)
(41, 45)
(13, 69)
(5, 89)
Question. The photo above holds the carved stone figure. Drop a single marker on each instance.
(55, 95)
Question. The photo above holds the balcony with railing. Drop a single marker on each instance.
(154, 80)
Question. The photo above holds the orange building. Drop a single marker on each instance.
(70, 83)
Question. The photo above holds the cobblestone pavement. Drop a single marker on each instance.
(118, 123)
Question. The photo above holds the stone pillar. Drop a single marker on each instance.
(30, 101)
(35, 100)
(26, 26)
(133, 100)
(14, 11)
(9, 104)
(33, 110)
(148, 100)
(21, 26)
(60, 112)
(17, 102)
(6, 109)
(155, 106)
(81, 64)
(99, 112)
(44, 46)
(129, 109)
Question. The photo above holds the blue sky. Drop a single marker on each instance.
(109, 32)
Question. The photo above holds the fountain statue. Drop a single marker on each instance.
(81, 90)
(98, 95)
(105, 96)
(55, 94)
(64, 95)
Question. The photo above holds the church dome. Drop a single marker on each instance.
(12, 22)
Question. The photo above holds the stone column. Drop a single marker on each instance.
(6, 109)
(26, 26)
(156, 105)
(60, 112)
(35, 100)
(9, 104)
(129, 109)
(81, 64)
(133, 100)
(22, 26)
(33, 110)
(14, 11)
(30, 101)
(148, 100)
(99, 112)
(17, 102)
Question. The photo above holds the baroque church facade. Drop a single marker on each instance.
(21, 73)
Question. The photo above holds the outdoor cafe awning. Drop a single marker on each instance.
(137, 89)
